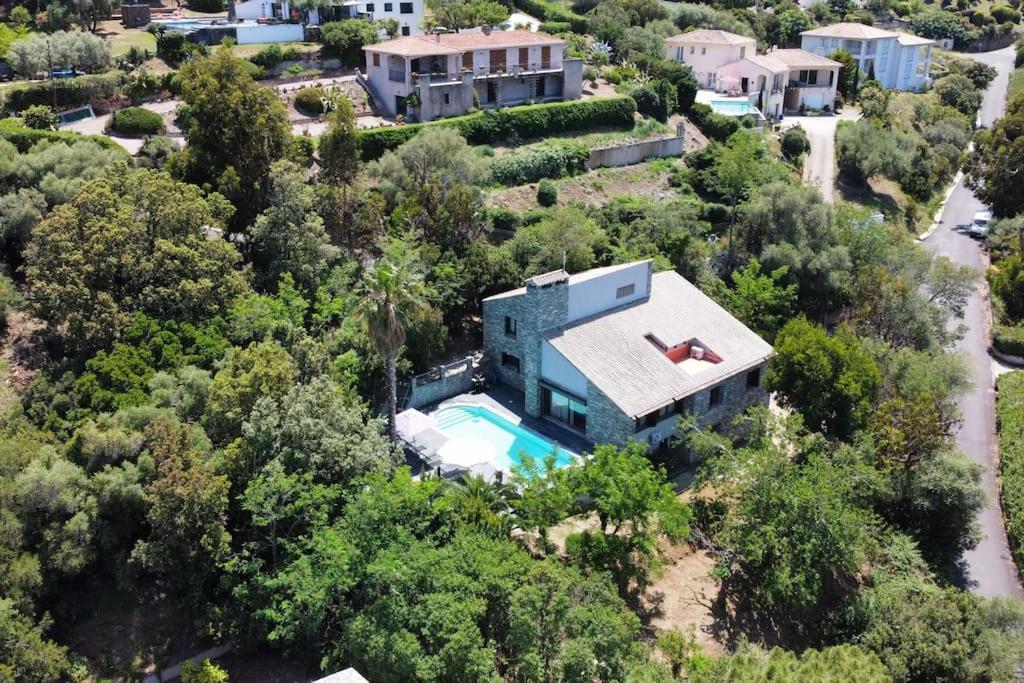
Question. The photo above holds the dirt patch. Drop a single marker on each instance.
(23, 354)
(594, 188)
(684, 596)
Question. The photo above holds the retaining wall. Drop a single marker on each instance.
(634, 152)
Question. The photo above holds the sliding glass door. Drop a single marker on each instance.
(564, 408)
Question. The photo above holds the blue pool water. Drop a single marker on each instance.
(509, 440)
(731, 107)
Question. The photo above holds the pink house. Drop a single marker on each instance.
(777, 82)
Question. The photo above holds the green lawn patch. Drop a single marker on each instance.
(1010, 422)
(121, 43)
(1016, 86)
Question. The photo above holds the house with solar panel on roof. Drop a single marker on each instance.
(620, 353)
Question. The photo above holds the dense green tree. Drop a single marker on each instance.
(347, 38)
(140, 223)
(792, 22)
(794, 532)
(187, 515)
(263, 369)
(837, 664)
(26, 654)
(760, 300)
(320, 428)
(848, 78)
(567, 237)
(998, 152)
(289, 236)
(459, 14)
(634, 504)
(235, 130)
(339, 148)
(830, 380)
(960, 92)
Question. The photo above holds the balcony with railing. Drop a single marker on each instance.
(437, 78)
(498, 70)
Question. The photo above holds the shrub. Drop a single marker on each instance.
(272, 55)
(715, 126)
(794, 142)
(40, 117)
(555, 27)
(136, 121)
(1009, 339)
(547, 160)
(590, 74)
(309, 101)
(549, 11)
(1010, 421)
(253, 71)
(15, 132)
(63, 93)
(174, 48)
(715, 213)
(346, 39)
(647, 102)
(1018, 59)
(504, 219)
(1004, 14)
(523, 122)
(547, 193)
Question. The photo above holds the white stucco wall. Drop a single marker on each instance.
(382, 84)
(705, 59)
(270, 33)
(556, 369)
(597, 294)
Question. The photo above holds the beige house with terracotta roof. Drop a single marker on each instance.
(450, 73)
(778, 82)
(898, 61)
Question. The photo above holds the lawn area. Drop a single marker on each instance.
(648, 179)
(121, 43)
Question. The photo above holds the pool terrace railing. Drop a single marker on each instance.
(443, 381)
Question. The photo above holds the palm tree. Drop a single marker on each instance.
(485, 505)
(391, 297)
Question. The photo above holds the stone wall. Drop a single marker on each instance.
(605, 422)
(443, 381)
(535, 310)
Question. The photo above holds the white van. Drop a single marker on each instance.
(979, 226)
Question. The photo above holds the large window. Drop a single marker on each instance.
(510, 326)
(405, 7)
(564, 408)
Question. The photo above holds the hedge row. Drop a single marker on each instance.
(1010, 420)
(549, 11)
(70, 92)
(1009, 339)
(528, 121)
(547, 160)
(714, 126)
(15, 132)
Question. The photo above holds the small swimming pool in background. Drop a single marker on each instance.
(508, 440)
(731, 107)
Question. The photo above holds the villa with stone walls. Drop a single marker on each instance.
(620, 353)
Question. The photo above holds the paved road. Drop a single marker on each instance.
(988, 568)
(820, 163)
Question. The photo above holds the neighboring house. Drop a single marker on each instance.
(408, 14)
(452, 72)
(705, 51)
(898, 61)
(777, 82)
(619, 353)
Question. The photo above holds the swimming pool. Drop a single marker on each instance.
(508, 440)
(732, 107)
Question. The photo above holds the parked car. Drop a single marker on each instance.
(64, 73)
(6, 72)
(979, 226)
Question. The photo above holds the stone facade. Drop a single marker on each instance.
(532, 312)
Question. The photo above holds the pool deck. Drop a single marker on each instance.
(508, 403)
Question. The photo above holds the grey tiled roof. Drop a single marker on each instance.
(548, 278)
(611, 350)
